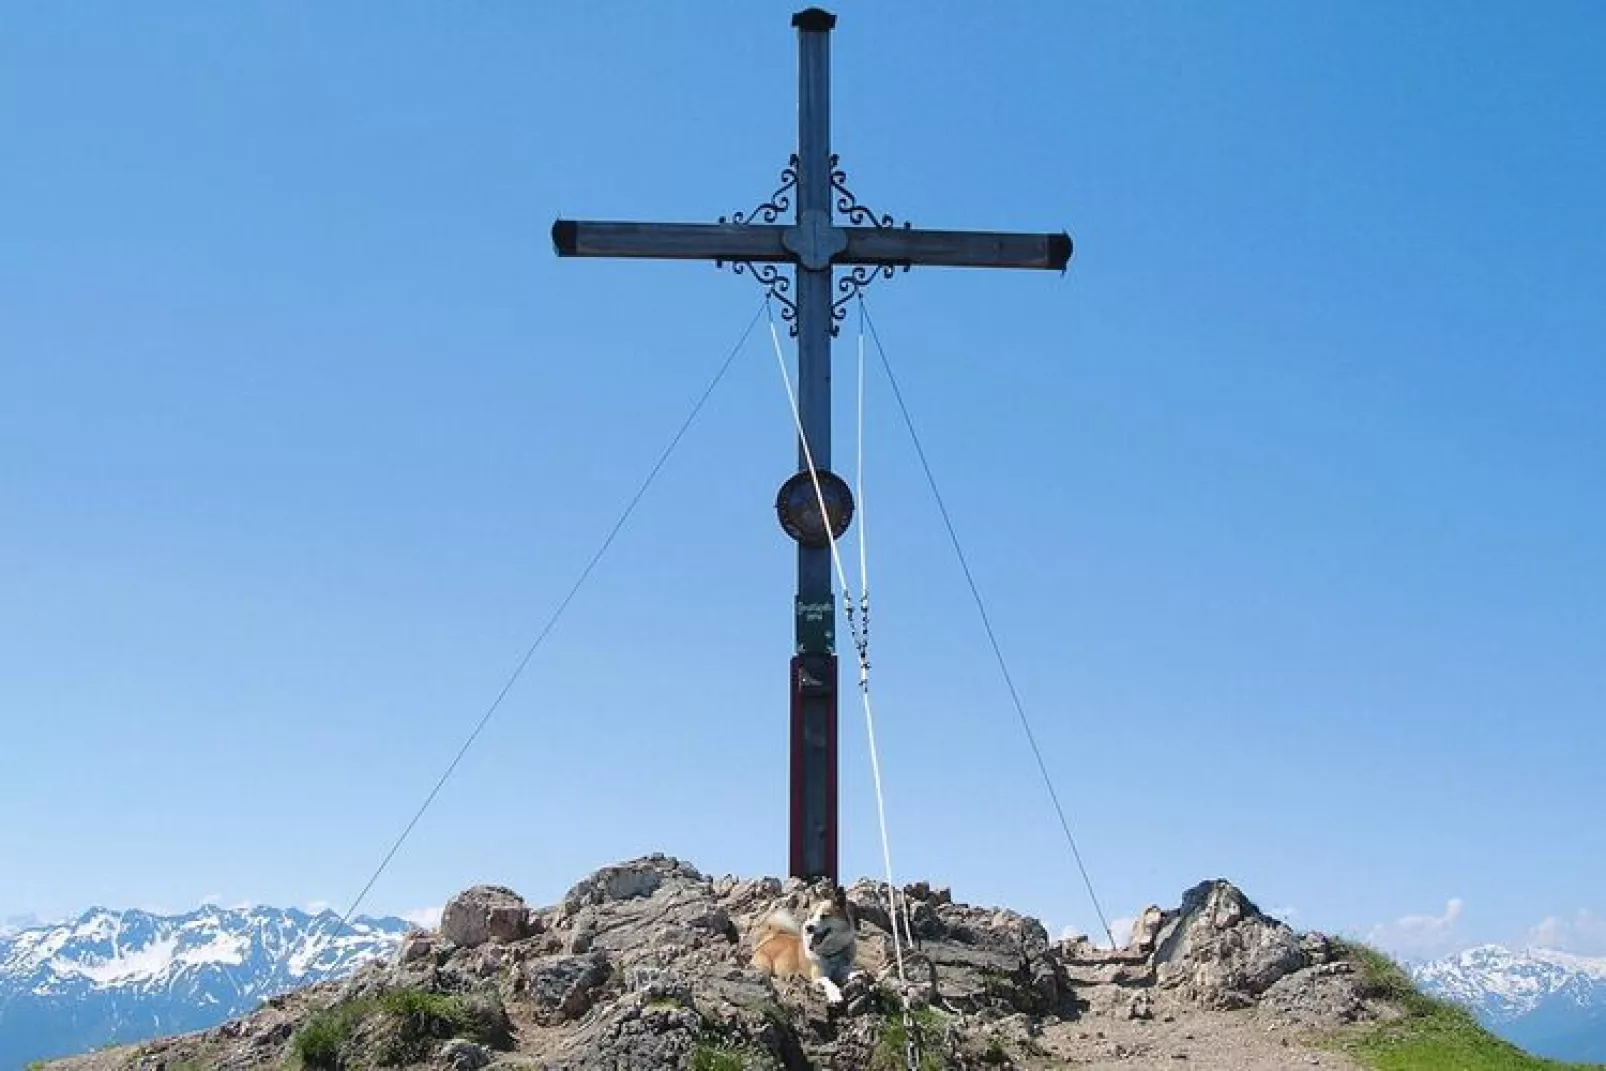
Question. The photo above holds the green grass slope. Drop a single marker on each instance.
(1432, 1035)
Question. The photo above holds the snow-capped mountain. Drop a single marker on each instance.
(118, 976)
(1550, 1003)
(17, 923)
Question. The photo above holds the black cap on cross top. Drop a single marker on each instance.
(814, 20)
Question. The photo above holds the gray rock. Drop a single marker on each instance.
(565, 987)
(582, 933)
(1324, 995)
(629, 1035)
(461, 1055)
(922, 890)
(1146, 930)
(415, 946)
(628, 881)
(967, 958)
(485, 913)
(1221, 951)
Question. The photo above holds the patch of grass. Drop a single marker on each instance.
(409, 1022)
(776, 1013)
(714, 1053)
(1432, 1035)
(1383, 979)
(319, 1044)
(994, 1053)
(419, 1019)
(892, 1042)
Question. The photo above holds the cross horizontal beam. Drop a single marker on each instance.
(670, 241)
(955, 249)
(767, 243)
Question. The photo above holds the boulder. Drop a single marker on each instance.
(565, 987)
(1146, 930)
(415, 946)
(628, 881)
(461, 1055)
(1221, 951)
(485, 913)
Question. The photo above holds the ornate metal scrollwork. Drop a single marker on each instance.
(777, 284)
(780, 201)
(849, 205)
(851, 284)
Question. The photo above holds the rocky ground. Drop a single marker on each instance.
(644, 965)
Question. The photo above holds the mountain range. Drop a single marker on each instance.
(115, 976)
(1550, 1003)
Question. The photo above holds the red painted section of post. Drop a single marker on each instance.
(831, 825)
(823, 693)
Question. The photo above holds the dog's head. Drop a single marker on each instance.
(830, 928)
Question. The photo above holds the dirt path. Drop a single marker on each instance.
(1197, 1040)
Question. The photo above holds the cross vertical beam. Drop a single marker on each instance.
(814, 668)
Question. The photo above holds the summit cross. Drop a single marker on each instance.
(813, 244)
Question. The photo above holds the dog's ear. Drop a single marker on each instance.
(844, 905)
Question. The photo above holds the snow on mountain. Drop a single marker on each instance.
(117, 976)
(1551, 1003)
(17, 923)
(1508, 984)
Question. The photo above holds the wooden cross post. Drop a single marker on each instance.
(813, 245)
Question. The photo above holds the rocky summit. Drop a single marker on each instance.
(645, 965)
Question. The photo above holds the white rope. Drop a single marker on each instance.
(862, 516)
(864, 662)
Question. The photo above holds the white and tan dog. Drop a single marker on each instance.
(821, 948)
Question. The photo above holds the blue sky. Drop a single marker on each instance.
(1287, 498)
